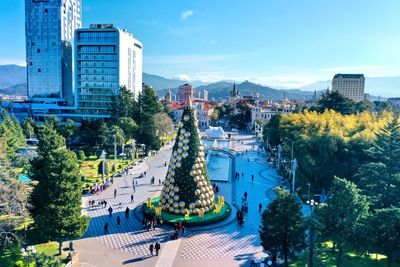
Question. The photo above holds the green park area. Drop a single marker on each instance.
(326, 256)
(91, 172)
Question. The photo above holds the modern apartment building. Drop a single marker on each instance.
(49, 29)
(349, 85)
(105, 59)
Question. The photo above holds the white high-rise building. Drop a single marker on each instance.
(49, 31)
(106, 58)
(349, 85)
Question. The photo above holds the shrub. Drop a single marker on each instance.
(81, 155)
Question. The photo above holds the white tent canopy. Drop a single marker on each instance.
(215, 133)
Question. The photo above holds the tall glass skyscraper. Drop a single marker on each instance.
(50, 27)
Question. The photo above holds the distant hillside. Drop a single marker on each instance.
(159, 83)
(13, 82)
(11, 75)
(16, 90)
(221, 91)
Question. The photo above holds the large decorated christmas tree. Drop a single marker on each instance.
(187, 186)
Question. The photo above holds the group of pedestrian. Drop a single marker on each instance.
(179, 230)
(155, 248)
(149, 221)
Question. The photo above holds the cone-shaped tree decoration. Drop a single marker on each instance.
(187, 186)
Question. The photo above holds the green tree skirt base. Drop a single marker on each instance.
(194, 220)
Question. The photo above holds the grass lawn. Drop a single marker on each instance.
(89, 169)
(327, 258)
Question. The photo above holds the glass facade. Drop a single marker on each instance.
(49, 29)
(97, 72)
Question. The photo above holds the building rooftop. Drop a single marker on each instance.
(349, 76)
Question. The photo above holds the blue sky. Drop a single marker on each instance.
(275, 42)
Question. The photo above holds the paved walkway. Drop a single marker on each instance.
(224, 244)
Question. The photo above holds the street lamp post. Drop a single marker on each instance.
(103, 159)
(115, 146)
(309, 185)
(312, 205)
(133, 149)
(28, 252)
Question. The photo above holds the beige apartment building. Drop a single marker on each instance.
(349, 85)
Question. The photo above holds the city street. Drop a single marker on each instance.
(223, 244)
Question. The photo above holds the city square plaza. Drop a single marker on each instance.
(221, 242)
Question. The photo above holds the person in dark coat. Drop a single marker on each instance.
(106, 228)
(151, 249)
(157, 247)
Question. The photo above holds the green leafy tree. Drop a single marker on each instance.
(282, 225)
(128, 126)
(271, 130)
(68, 130)
(187, 186)
(383, 234)
(342, 213)
(81, 155)
(56, 199)
(380, 178)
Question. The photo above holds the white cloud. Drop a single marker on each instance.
(182, 77)
(186, 14)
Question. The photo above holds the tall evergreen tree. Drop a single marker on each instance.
(12, 133)
(380, 178)
(342, 213)
(148, 106)
(282, 225)
(56, 199)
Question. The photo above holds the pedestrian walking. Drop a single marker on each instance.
(110, 211)
(106, 228)
(132, 198)
(252, 178)
(242, 174)
(127, 213)
(115, 193)
(183, 230)
(145, 173)
(118, 221)
(133, 186)
(259, 207)
(157, 247)
(245, 195)
(151, 249)
(248, 160)
(136, 183)
(159, 181)
(165, 164)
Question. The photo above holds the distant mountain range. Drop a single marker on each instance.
(13, 82)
